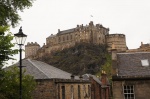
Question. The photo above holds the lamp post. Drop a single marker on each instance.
(20, 40)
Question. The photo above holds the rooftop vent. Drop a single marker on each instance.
(145, 62)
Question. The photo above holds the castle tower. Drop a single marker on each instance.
(31, 49)
(119, 40)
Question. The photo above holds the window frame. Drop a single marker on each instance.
(129, 91)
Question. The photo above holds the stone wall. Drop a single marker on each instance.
(45, 89)
(59, 88)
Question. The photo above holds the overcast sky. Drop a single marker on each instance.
(129, 17)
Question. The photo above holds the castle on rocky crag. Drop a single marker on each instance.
(96, 34)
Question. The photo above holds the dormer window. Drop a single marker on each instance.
(145, 62)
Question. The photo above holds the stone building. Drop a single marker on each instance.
(131, 75)
(96, 34)
(62, 89)
(53, 83)
(142, 48)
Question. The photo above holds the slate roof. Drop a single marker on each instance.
(87, 76)
(129, 64)
(41, 70)
(67, 31)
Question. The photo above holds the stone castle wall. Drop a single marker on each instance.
(96, 34)
(119, 40)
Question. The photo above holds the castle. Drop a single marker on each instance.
(96, 34)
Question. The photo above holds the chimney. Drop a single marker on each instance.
(72, 77)
(141, 45)
(114, 52)
(114, 61)
(81, 78)
(58, 30)
(104, 79)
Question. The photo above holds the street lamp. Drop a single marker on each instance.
(20, 40)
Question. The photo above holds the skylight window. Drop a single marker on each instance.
(145, 62)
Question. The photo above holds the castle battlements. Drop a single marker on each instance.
(115, 35)
(31, 49)
(32, 44)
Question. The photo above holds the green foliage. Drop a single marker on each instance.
(9, 11)
(107, 66)
(9, 84)
(80, 59)
(6, 51)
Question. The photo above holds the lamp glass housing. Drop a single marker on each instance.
(20, 37)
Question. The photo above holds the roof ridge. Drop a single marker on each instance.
(133, 53)
(67, 29)
(37, 67)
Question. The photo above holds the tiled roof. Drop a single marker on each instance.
(41, 70)
(129, 64)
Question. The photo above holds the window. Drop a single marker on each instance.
(64, 38)
(72, 91)
(59, 39)
(145, 62)
(129, 92)
(79, 96)
(89, 90)
(71, 37)
(63, 92)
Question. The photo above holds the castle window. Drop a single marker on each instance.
(128, 92)
(64, 38)
(99, 38)
(71, 37)
(67, 37)
(59, 39)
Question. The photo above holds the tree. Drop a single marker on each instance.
(9, 17)
(9, 84)
(9, 11)
(6, 51)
